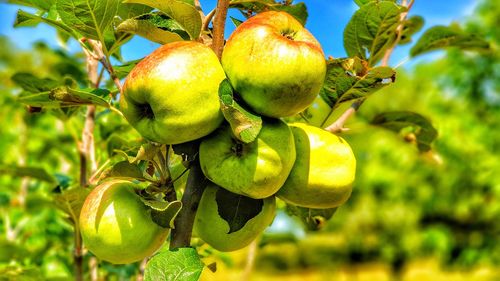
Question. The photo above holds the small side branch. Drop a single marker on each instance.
(219, 26)
(338, 125)
(399, 32)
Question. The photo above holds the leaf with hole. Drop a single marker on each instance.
(155, 27)
(184, 13)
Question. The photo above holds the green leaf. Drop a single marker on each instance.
(313, 219)
(71, 201)
(32, 172)
(412, 126)
(147, 152)
(43, 5)
(163, 213)
(411, 26)
(123, 170)
(33, 84)
(350, 79)
(372, 30)
(185, 14)
(439, 37)
(182, 264)
(364, 2)
(90, 17)
(123, 70)
(64, 97)
(128, 10)
(26, 19)
(237, 209)
(155, 27)
(245, 125)
(236, 21)
(248, 7)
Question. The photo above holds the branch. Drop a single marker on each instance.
(399, 30)
(219, 26)
(338, 125)
(207, 20)
(196, 183)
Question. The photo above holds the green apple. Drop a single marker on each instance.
(275, 64)
(171, 96)
(324, 170)
(116, 226)
(228, 221)
(257, 169)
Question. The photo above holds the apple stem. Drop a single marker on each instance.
(196, 183)
(219, 26)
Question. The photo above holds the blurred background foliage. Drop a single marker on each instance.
(408, 211)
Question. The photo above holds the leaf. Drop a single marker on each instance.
(439, 37)
(248, 7)
(163, 213)
(43, 5)
(182, 264)
(31, 83)
(123, 170)
(235, 21)
(128, 10)
(123, 70)
(350, 79)
(147, 152)
(313, 219)
(237, 209)
(64, 97)
(188, 150)
(412, 126)
(154, 27)
(185, 14)
(364, 2)
(32, 172)
(411, 26)
(71, 201)
(245, 125)
(26, 19)
(90, 17)
(372, 30)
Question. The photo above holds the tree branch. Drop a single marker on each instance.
(219, 26)
(196, 183)
(338, 125)
(399, 32)
(207, 20)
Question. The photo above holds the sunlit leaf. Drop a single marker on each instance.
(155, 27)
(181, 264)
(439, 37)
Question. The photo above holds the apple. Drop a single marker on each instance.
(275, 64)
(171, 96)
(324, 170)
(116, 225)
(257, 169)
(228, 221)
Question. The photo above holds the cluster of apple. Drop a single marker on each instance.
(277, 68)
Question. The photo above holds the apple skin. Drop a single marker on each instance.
(257, 169)
(116, 226)
(171, 96)
(324, 170)
(214, 230)
(276, 75)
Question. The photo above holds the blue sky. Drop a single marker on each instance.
(327, 19)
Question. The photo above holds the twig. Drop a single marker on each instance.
(338, 125)
(219, 26)
(207, 20)
(196, 182)
(399, 32)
